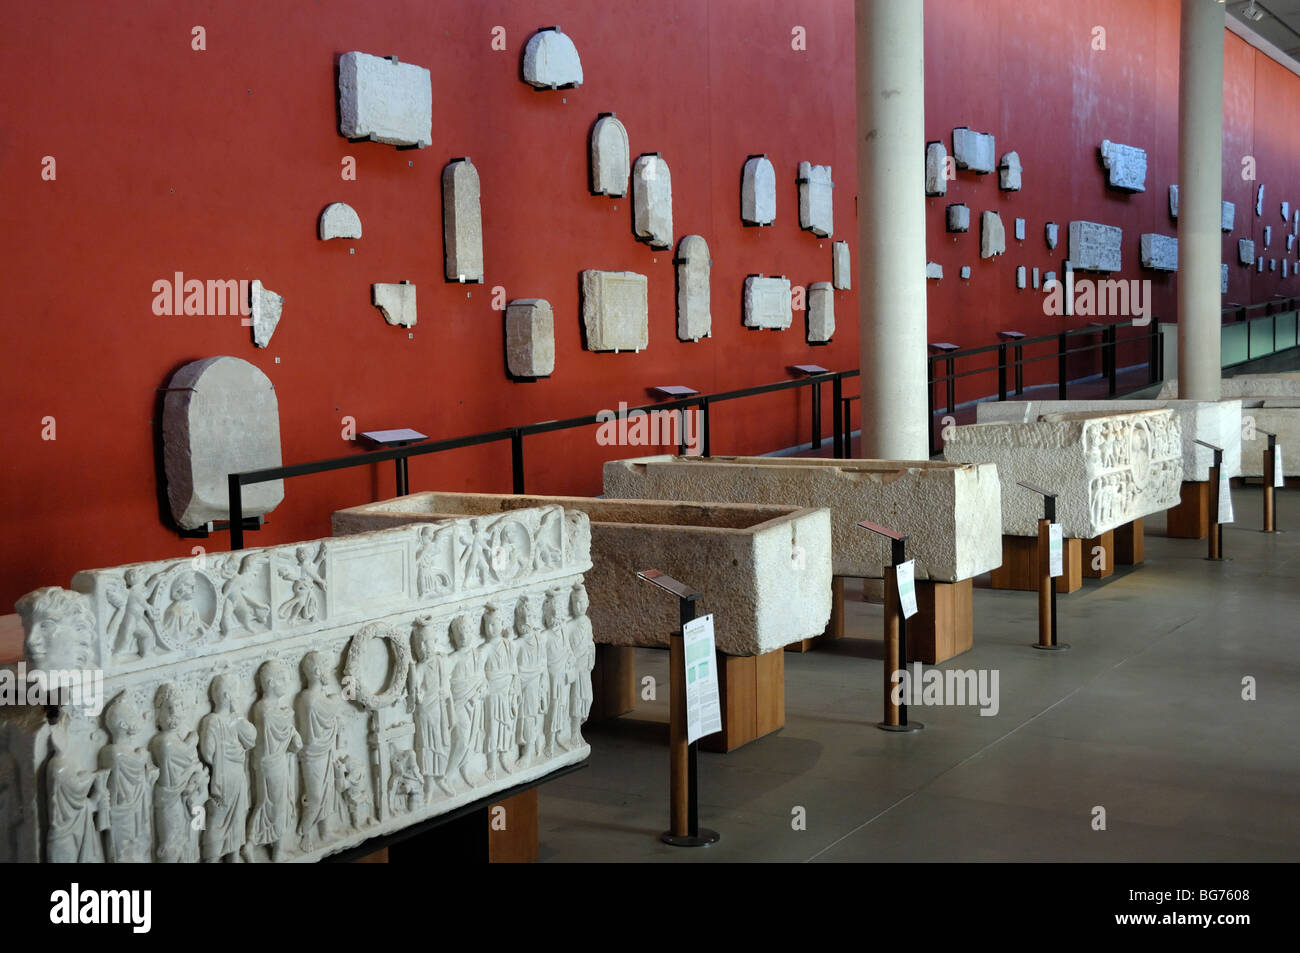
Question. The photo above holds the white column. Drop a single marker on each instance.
(890, 41)
(1200, 196)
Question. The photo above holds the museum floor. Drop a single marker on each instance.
(1144, 717)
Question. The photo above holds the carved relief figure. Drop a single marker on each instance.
(181, 622)
(76, 795)
(239, 609)
(182, 783)
(548, 544)
(355, 791)
(466, 697)
(475, 554)
(431, 579)
(530, 661)
(274, 772)
(60, 628)
(560, 674)
(405, 786)
(134, 618)
(306, 576)
(225, 738)
(319, 716)
(429, 701)
(501, 705)
(584, 658)
(131, 775)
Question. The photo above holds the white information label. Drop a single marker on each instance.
(906, 573)
(1225, 499)
(703, 711)
(1278, 478)
(1056, 551)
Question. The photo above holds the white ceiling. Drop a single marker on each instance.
(1280, 24)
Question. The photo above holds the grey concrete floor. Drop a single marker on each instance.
(1144, 717)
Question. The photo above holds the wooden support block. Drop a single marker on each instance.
(613, 682)
(378, 857)
(834, 628)
(1130, 543)
(512, 829)
(944, 622)
(752, 697)
(1019, 569)
(1190, 519)
(1099, 555)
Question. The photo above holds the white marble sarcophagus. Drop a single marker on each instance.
(1215, 421)
(1107, 470)
(764, 571)
(952, 513)
(287, 703)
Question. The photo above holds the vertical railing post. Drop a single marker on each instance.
(837, 417)
(929, 394)
(517, 460)
(950, 368)
(236, 492)
(704, 425)
(1002, 372)
(1113, 365)
(816, 413)
(1062, 344)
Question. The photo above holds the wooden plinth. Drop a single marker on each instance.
(944, 622)
(613, 682)
(752, 690)
(1099, 556)
(1130, 543)
(834, 628)
(1190, 519)
(512, 829)
(1019, 569)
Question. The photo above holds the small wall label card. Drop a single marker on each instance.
(703, 711)
(906, 574)
(1055, 547)
(1278, 478)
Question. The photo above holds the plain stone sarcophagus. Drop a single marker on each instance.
(1106, 470)
(764, 571)
(1215, 422)
(951, 512)
(290, 702)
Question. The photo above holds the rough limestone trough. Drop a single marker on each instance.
(301, 699)
(1106, 470)
(951, 512)
(764, 571)
(1216, 422)
(1279, 417)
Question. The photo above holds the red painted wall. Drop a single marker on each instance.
(217, 164)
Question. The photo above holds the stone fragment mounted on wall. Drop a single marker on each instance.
(462, 222)
(611, 156)
(551, 61)
(972, 150)
(993, 237)
(758, 191)
(1127, 166)
(339, 220)
(1095, 247)
(1286, 212)
(1272, 264)
(1021, 277)
(530, 338)
(220, 416)
(1052, 232)
(1245, 251)
(1009, 172)
(936, 161)
(958, 216)
(933, 270)
(652, 201)
(1259, 264)
(1223, 279)
(615, 310)
(1285, 267)
(841, 272)
(821, 312)
(816, 208)
(1159, 252)
(694, 318)
(1035, 281)
(396, 302)
(385, 101)
(965, 271)
(1259, 200)
(1268, 235)
(1228, 216)
(1020, 229)
(264, 308)
(767, 303)
(1173, 201)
